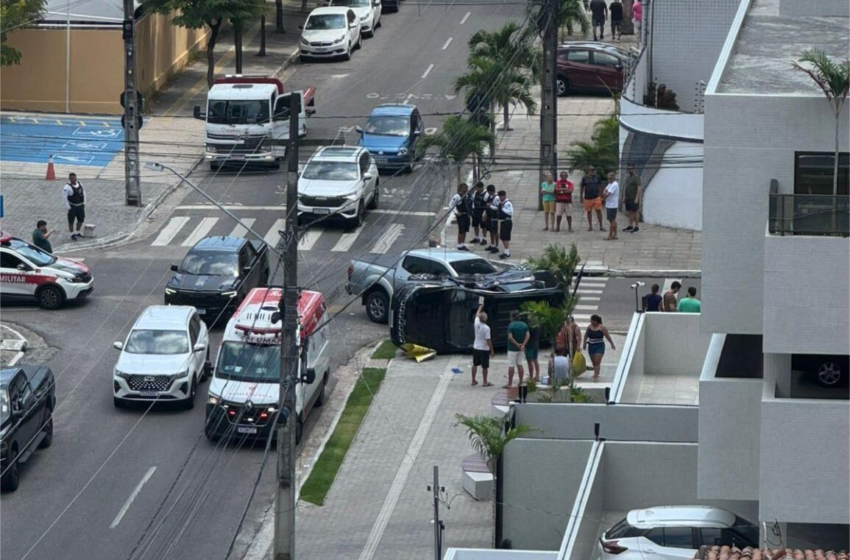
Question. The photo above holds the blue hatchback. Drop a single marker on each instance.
(390, 135)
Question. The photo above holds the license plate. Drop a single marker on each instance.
(202, 311)
(152, 394)
(322, 210)
(246, 430)
(237, 157)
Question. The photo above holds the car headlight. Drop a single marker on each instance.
(364, 17)
(212, 149)
(402, 152)
(121, 374)
(229, 294)
(180, 375)
(213, 400)
(352, 197)
(170, 291)
(340, 40)
(304, 41)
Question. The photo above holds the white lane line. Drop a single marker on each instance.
(171, 229)
(580, 291)
(402, 213)
(448, 43)
(406, 465)
(466, 17)
(230, 207)
(132, 497)
(308, 240)
(390, 235)
(200, 232)
(589, 298)
(428, 71)
(580, 317)
(346, 241)
(587, 307)
(240, 230)
(273, 237)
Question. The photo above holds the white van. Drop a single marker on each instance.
(244, 392)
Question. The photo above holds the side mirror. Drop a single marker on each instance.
(118, 345)
(17, 410)
(309, 376)
(23, 267)
(198, 114)
(283, 416)
(173, 268)
(359, 129)
(367, 176)
(301, 27)
(353, 25)
(200, 347)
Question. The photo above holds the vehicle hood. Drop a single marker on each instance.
(241, 392)
(68, 267)
(322, 35)
(319, 187)
(377, 143)
(360, 11)
(152, 364)
(202, 283)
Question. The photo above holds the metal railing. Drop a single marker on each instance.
(809, 214)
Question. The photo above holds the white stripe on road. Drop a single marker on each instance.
(200, 232)
(447, 43)
(581, 317)
(587, 307)
(387, 238)
(406, 465)
(466, 17)
(132, 497)
(589, 298)
(428, 71)
(581, 291)
(346, 241)
(240, 230)
(230, 207)
(171, 229)
(308, 240)
(402, 213)
(273, 236)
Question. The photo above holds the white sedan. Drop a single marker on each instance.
(368, 13)
(329, 33)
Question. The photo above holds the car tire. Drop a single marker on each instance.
(118, 403)
(50, 297)
(377, 307)
(562, 86)
(189, 403)
(357, 220)
(380, 23)
(12, 477)
(829, 374)
(347, 55)
(299, 430)
(48, 432)
(209, 432)
(376, 197)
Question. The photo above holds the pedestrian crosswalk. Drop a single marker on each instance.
(589, 293)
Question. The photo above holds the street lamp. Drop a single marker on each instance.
(636, 287)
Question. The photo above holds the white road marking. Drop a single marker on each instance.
(308, 240)
(347, 240)
(589, 298)
(466, 17)
(230, 207)
(428, 71)
(448, 43)
(581, 291)
(581, 316)
(390, 235)
(402, 213)
(200, 232)
(587, 307)
(132, 497)
(273, 237)
(171, 229)
(240, 230)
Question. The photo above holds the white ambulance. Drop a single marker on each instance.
(244, 392)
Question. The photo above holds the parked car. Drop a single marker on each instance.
(830, 371)
(390, 135)
(377, 278)
(165, 357)
(584, 66)
(329, 33)
(31, 274)
(338, 182)
(216, 275)
(368, 13)
(674, 532)
(27, 401)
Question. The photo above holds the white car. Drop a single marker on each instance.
(368, 13)
(28, 273)
(338, 182)
(164, 357)
(329, 33)
(674, 532)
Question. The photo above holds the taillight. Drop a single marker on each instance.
(612, 547)
(264, 415)
(350, 271)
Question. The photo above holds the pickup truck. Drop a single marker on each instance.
(376, 279)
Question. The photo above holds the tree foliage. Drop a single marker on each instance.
(17, 14)
(457, 141)
(602, 151)
(489, 435)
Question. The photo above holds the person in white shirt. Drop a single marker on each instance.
(505, 216)
(459, 205)
(611, 195)
(482, 348)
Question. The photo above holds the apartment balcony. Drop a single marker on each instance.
(809, 214)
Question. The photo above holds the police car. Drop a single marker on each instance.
(27, 273)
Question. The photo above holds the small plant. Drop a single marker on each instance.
(531, 384)
(579, 395)
(489, 435)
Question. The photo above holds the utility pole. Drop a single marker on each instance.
(132, 111)
(284, 534)
(548, 26)
(438, 525)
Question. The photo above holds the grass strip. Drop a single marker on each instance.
(316, 489)
(386, 351)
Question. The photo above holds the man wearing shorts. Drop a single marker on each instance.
(482, 348)
(75, 202)
(479, 225)
(611, 194)
(505, 214)
(517, 339)
(459, 205)
(599, 11)
(547, 194)
(590, 192)
(564, 201)
(532, 351)
(492, 215)
(632, 195)
(616, 12)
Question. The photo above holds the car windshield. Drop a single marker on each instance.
(251, 363)
(473, 266)
(34, 254)
(147, 341)
(321, 22)
(238, 112)
(747, 530)
(352, 3)
(211, 263)
(388, 126)
(5, 410)
(331, 171)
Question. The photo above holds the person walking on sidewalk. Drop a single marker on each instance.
(599, 11)
(616, 11)
(670, 304)
(517, 339)
(74, 197)
(547, 193)
(505, 218)
(632, 196)
(482, 348)
(589, 194)
(652, 302)
(637, 15)
(460, 206)
(479, 226)
(569, 336)
(689, 303)
(41, 236)
(532, 351)
(611, 194)
(564, 201)
(492, 215)
(594, 343)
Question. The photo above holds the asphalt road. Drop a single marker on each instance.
(140, 484)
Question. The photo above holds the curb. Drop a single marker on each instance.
(655, 273)
(23, 346)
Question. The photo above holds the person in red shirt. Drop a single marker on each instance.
(564, 201)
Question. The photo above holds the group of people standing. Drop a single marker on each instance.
(488, 213)
(601, 11)
(670, 301)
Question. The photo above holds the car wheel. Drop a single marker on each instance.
(377, 307)
(207, 367)
(357, 220)
(829, 374)
(12, 476)
(50, 297)
(118, 403)
(193, 392)
(347, 55)
(48, 432)
(299, 430)
(563, 86)
(209, 432)
(380, 23)
(376, 198)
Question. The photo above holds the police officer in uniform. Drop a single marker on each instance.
(478, 207)
(492, 214)
(460, 206)
(75, 202)
(505, 215)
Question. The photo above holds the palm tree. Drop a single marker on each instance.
(458, 141)
(559, 262)
(833, 78)
(602, 151)
(573, 14)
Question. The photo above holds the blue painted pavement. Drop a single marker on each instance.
(72, 141)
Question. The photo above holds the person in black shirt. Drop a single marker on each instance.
(492, 216)
(479, 204)
(459, 205)
(599, 11)
(591, 196)
(652, 302)
(616, 11)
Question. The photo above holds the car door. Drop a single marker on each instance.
(248, 261)
(376, 13)
(577, 67)
(198, 358)
(280, 116)
(668, 543)
(609, 71)
(23, 401)
(353, 27)
(17, 278)
(417, 128)
(364, 184)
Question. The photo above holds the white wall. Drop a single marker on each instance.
(487, 554)
(674, 196)
(674, 343)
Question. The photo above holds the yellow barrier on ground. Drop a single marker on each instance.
(418, 353)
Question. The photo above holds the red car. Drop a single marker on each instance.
(585, 66)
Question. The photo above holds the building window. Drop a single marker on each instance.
(813, 172)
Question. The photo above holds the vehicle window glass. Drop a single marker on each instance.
(678, 537)
(243, 260)
(23, 392)
(34, 254)
(351, 16)
(813, 173)
(748, 531)
(213, 263)
(331, 171)
(194, 329)
(148, 341)
(252, 253)
(5, 406)
(656, 536)
(438, 268)
(605, 59)
(578, 56)
(321, 22)
(364, 163)
(473, 266)
(8, 260)
(415, 265)
(388, 126)
(238, 112)
(250, 363)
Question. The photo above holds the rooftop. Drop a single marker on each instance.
(768, 43)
